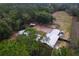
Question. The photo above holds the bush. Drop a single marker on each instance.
(22, 45)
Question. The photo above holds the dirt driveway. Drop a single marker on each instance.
(43, 28)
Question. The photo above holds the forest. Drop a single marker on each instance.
(17, 16)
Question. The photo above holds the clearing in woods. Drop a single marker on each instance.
(64, 20)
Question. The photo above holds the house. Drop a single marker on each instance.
(52, 37)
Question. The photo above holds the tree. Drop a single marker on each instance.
(44, 18)
(26, 18)
(5, 30)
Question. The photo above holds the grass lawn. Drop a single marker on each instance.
(64, 20)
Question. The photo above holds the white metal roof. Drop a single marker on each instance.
(52, 37)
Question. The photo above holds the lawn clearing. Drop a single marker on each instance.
(64, 20)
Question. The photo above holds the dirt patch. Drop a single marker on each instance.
(43, 28)
(14, 35)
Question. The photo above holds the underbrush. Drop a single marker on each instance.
(23, 45)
